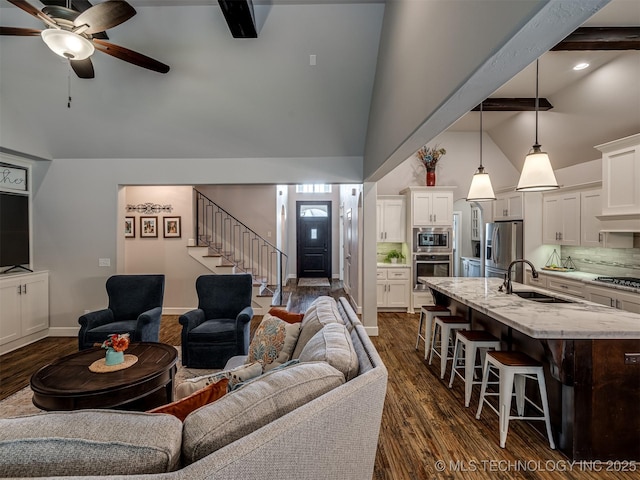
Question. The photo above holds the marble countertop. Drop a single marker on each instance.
(578, 320)
(393, 265)
(588, 278)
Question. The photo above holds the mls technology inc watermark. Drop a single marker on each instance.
(535, 466)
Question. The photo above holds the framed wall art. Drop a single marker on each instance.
(172, 227)
(148, 227)
(130, 227)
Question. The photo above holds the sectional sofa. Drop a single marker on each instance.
(317, 419)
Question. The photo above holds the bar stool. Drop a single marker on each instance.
(513, 369)
(427, 312)
(470, 341)
(443, 328)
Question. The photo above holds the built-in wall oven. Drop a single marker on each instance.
(430, 265)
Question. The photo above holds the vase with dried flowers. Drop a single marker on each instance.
(429, 157)
(115, 345)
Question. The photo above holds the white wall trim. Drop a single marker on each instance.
(371, 331)
(63, 331)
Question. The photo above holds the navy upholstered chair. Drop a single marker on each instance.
(135, 307)
(219, 328)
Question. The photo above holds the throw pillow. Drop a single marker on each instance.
(319, 314)
(285, 315)
(259, 402)
(181, 408)
(273, 342)
(333, 345)
(235, 375)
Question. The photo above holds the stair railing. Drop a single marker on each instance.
(240, 246)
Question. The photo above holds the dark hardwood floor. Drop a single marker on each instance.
(424, 421)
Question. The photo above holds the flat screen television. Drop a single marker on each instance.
(14, 230)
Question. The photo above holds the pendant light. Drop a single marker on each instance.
(481, 189)
(537, 174)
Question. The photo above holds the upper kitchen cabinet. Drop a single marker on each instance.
(508, 206)
(621, 177)
(476, 227)
(391, 215)
(561, 219)
(430, 206)
(591, 234)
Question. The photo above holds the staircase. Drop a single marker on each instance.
(225, 245)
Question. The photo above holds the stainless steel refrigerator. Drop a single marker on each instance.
(503, 244)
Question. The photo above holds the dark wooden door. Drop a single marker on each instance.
(313, 228)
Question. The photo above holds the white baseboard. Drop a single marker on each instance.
(371, 331)
(63, 331)
(176, 310)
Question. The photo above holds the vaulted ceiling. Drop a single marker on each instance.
(229, 98)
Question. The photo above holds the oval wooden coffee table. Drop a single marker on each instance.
(68, 384)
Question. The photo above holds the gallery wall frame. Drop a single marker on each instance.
(130, 227)
(172, 227)
(148, 227)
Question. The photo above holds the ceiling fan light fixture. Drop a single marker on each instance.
(67, 44)
(581, 66)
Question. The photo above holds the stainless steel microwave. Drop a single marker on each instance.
(432, 239)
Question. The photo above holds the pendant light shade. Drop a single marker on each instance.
(480, 189)
(67, 44)
(537, 174)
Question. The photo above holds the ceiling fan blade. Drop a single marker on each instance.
(83, 68)
(105, 15)
(57, 9)
(30, 9)
(130, 56)
(78, 5)
(20, 32)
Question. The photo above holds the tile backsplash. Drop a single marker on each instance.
(613, 262)
(384, 247)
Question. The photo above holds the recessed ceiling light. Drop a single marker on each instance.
(581, 66)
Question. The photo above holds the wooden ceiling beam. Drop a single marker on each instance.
(601, 38)
(240, 18)
(513, 105)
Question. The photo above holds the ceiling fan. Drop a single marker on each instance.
(76, 34)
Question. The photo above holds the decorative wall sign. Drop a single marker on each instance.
(13, 177)
(172, 227)
(130, 227)
(149, 207)
(148, 227)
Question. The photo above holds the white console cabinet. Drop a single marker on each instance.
(24, 309)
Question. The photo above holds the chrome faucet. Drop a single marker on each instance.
(507, 277)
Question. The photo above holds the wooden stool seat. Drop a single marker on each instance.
(427, 313)
(472, 342)
(443, 328)
(513, 370)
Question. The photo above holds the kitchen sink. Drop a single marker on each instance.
(540, 297)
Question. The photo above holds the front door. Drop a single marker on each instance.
(313, 228)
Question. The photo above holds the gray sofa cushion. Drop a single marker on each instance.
(89, 442)
(333, 345)
(321, 312)
(255, 404)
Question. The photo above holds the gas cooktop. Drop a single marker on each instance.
(624, 281)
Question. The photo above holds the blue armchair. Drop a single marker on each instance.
(135, 307)
(219, 328)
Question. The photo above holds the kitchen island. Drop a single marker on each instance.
(593, 378)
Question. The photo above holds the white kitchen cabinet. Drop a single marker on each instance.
(432, 209)
(573, 288)
(561, 219)
(475, 224)
(474, 268)
(612, 297)
(465, 266)
(621, 176)
(393, 287)
(24, 306)
(541, 281)
(391, 217)
(591, 234)
(508, 206)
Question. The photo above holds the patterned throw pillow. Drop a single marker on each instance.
(235, 375)
(273, 342)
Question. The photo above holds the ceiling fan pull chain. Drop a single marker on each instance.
(69, 88)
